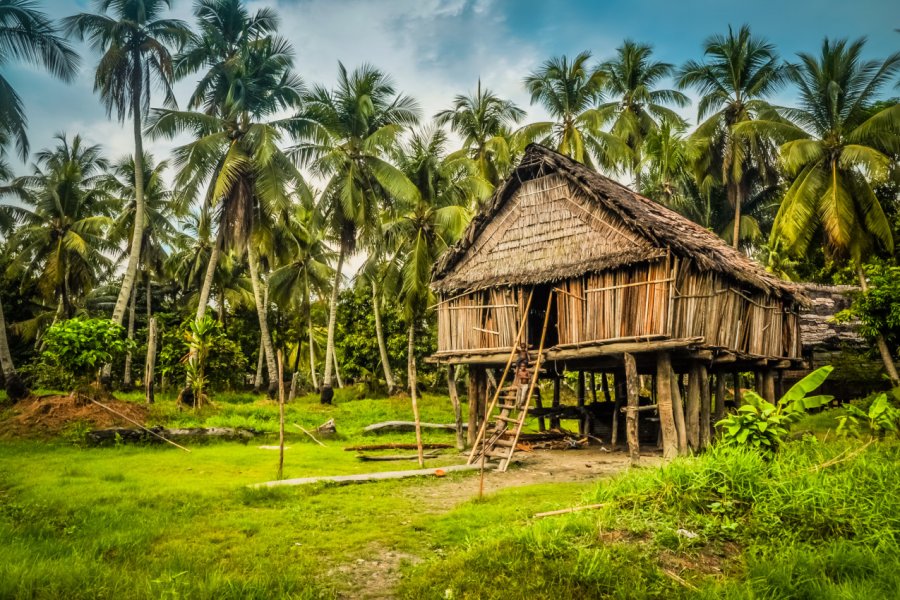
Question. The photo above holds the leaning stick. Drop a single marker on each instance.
(565, 511)
(310, 435)
(150, 431)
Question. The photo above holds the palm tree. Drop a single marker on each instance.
(380, 271)
(237, 154)
(423, 228)
(739, 73)
(667, 157)
(62, 236)
(343, 136)
(569, 91)
(159, 230)
(636, 106)
(485, 122)
(135, 42)
(27, 34)
(836, 151)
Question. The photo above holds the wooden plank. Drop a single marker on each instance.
(631, 419)
(664, 401)
(364, 477)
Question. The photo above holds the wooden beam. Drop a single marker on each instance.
(692, 408)
(705, 406)
(664, 401)
(631, 419)
(457, 409)
(588, 350)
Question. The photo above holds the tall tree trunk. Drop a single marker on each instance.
(15, 387)
(206, 288)
(413, 393)
(137, 235)
(261, 359)
(150, 364)
(126, 379)
(734, 196)
(382, 347)
(337, 369)
(327, 390)
(261, 311)
(149, 296)
(886, 357)
(309, 330)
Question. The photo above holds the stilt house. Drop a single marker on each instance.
(591, 276)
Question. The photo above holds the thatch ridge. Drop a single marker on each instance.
(663, 227)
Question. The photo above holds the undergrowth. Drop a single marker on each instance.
(816, 521)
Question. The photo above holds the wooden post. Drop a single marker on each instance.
(150, 365)
(472, 392)
(457, 409)
(554, 420)
(604, 385)
(736, 377)
(582, 418)
(594, 387)
(538, 403)
(692, 408)
(720, 397)
(758, 383)
(621, 393)
(779, 387)
(768, 391)
(631, 419)
(280, 416)
(664, 404)
(705, 406)
(678, 409)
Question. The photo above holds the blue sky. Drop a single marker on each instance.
(436, 49)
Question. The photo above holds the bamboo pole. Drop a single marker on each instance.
(631, 419)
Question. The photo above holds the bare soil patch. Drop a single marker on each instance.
(44, 416)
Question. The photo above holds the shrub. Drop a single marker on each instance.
(880, 418)
(226, 364)
(82, 346)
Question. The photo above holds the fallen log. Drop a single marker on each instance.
(120, 435)
(396, 447)
(389, 457)
(393, 426)
(362, 478)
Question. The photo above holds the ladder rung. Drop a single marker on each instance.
(507, 406)
(503, 442)
(508, 419)
(497, 454)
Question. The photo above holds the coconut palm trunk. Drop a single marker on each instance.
(261, 310)
(261, 359)
(206, 288)
(413, 392)
(309, 331)
(887, 358)
(15, 387)
(328, 378)
(382, 346)
(126, 378)
(137, 236)
(735, 197)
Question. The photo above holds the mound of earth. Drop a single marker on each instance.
(40, 416)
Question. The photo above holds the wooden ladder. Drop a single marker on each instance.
(497, 445)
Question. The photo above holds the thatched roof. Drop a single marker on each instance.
(656, 227)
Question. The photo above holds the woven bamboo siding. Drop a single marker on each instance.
(480, 320)
(726, 316)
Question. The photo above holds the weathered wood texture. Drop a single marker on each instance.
(664, 401)
(631, 421)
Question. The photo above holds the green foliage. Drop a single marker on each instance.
(878, 310)
(226, 364)
(82, 346)
(763, 425)
(880, 418)
(199, 336)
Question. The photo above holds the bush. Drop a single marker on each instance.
(226, 365)
(82, 346)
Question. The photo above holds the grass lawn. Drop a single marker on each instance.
(156, 522)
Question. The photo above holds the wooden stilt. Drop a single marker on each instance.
(554, 420)
(582, 421)
(720, 397)
(758, 383)
(692, 408)
(621, 392)
(779, 386)
(664, 402)
(768, 391)
(736, 379)
(678, 409)
(631, 419)
(594, 387)
(473, 404)
(705, 406)
(457, 409)
(604, 385)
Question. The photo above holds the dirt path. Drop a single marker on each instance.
(376, 578)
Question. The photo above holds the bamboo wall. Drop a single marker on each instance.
(480, 320)
(623, 303)
(661, 298)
